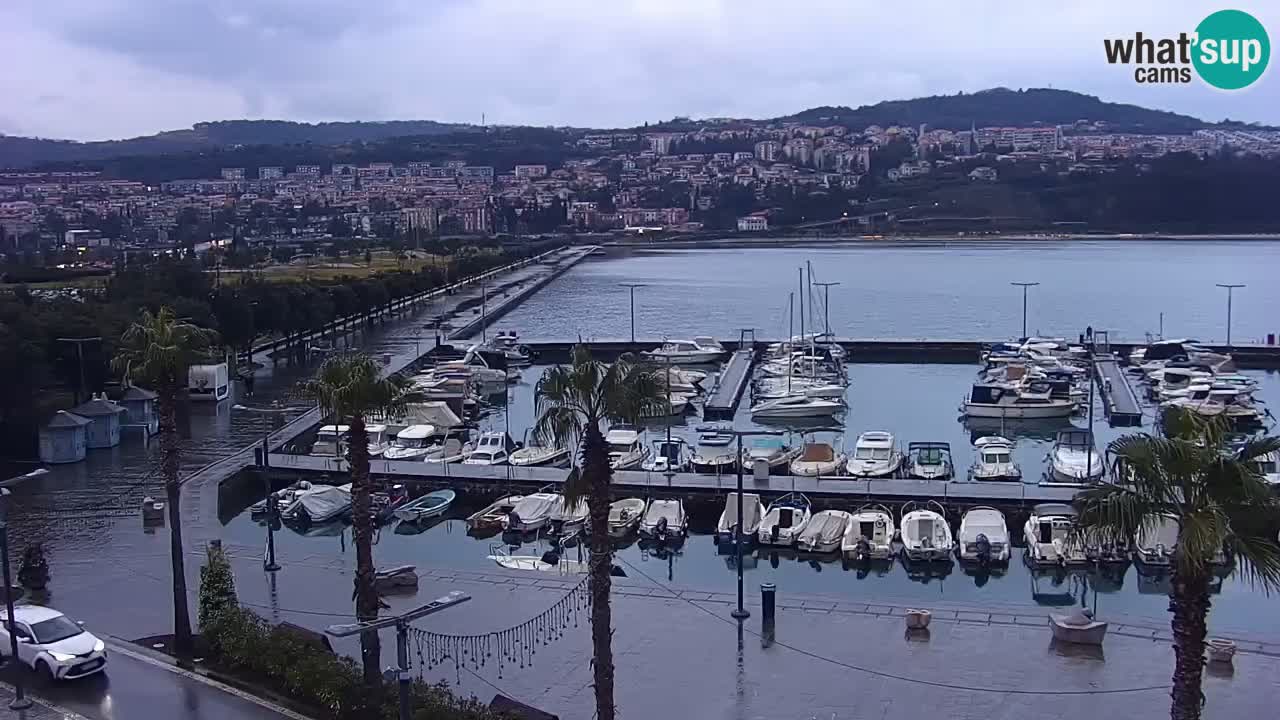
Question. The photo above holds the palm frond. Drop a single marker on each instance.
(1257, 559)
(559, 426)
(159, 347)
(1115, 512)
(576, 488)
(352, 385)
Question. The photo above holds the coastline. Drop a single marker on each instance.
(894, 238)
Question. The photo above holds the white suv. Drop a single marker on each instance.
(51, 644)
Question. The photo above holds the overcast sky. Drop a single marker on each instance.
(94, 69)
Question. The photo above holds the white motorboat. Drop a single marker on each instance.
(625, 449)
(824, 532)
(531, 512)
(1049, 534)
(1266, 466)
(452, 450)
(539, 563)
(714, 459)
(625, 516)
(752, 514)
(711, 434)
(331, 441)
(930, 460)
(995, 461)
(319, 504)
(668, 456)
(493, 448)
(537, 455)
(772, 450)
(1032, 401)
(683, 382)
(378, 443)
(1156, 541)
(869, 535)
(796, 406)
(817, 459)
(664, 520)
(875, 455)
(784, 520)
(412, 443)
(983, 536)
(566, 518)
(698, 350)
(1074, 461)
(433, 504)
(493, 515)
(775, 388)
(487, 366)
(926, 535)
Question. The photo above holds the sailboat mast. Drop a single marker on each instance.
(801, 304)
(791, 330)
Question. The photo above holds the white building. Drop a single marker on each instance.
(753, 223)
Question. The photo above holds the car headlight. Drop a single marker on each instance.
(61, 657)
(99, 646)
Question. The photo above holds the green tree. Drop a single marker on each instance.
(574, 402)
(349, 388)
(157, 350)
(1220, 502)
(217, 592)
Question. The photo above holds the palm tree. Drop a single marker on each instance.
(348, 388)
(1220, 502)
(573, 403)
(158, 350)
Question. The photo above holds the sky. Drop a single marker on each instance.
(99, 69)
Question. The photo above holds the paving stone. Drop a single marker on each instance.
(973, 617)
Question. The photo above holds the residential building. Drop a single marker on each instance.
(753, 223)
(234, 174)
(530, 171)
(270, 173)
(768, 150)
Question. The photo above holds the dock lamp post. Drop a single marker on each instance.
(401, 624)
(1231, 287)
(741, 613)
(269, 563)
(20, 700)
(633, 287)
(1024, 286)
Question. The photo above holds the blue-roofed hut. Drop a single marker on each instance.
(63, 440)
(105, 417)
(140, 409)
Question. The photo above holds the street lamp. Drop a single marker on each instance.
(1230, 290)
(741, 613)
(269, 563)
(20, 700)
(401, 624)
(633, 287)
(1024, 286)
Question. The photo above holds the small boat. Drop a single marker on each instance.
(1156, 541)
(668, 456)
(493, 448)
(384, 503)
(771, 450)
(283, 499)
(1266, 466)
(428, 506)
(926, 536)
(1077, 627)
(713, 460)
(784, 520)
(930, 460)
(412, 443)
(672, 405)
(531, 512)
(494, 514)
(378, 443)
(875, 455)
(869, 535)
(452, 450)
(994, 461)
(320, 504)
(625, 449)
(331, 441)
(1033, 400)
(548, 562)
(715, 438)
(534, 455)
(565, 518)
(1048, 534)
(817, 459)
(796, 406)
(824, 532)
(752, 514)
(697, 350)
(983, 537)
(664, 520)
(1074, 461)
(625, 516)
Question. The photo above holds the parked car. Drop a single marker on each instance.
(53, 645)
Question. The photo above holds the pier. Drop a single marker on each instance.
(1118, 398)
(723, 400)
(845, 490)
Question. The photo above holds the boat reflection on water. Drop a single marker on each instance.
(1041, 429)
(866, 567)
(926, 571)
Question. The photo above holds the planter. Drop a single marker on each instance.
(1221, 651)
(918, 619)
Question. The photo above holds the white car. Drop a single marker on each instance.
(53, 645)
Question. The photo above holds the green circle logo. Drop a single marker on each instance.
(1232, 49)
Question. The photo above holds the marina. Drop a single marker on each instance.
(1119, 400)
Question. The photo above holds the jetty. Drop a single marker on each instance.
(1119, 400)
(722, 401)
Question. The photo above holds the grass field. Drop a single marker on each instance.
(325, 269)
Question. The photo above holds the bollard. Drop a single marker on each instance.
(768, 591)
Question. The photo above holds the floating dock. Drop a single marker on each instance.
(1119, 400)
(723, 401)
(843, 490)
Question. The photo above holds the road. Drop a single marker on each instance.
(137, 686)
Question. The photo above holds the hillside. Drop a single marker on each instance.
(23, 152)
(1001, 106)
